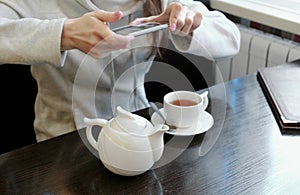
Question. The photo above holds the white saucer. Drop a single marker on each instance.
(206, 123)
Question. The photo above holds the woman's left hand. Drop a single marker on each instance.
(182, 21)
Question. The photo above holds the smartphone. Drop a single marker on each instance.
(141, 29)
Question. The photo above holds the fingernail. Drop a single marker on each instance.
(173, 26)
(118, 14)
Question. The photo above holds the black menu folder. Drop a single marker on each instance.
(281, 86)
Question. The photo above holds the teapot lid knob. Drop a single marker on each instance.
(128, 122)
(123, 113)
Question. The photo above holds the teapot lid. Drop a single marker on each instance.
(130, 123)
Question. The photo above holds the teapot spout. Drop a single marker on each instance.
(159, 128)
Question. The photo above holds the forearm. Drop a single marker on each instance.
(30, 41)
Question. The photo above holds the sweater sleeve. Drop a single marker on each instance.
(216, 37)
(28, 40)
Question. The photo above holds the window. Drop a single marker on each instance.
(280, 14)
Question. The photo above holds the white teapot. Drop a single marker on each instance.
(128, 144)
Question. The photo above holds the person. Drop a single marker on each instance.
(73, 52)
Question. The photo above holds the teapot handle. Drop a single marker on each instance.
(89, 130)
(205, 99)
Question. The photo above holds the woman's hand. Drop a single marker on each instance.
(182, 21)
(90, 34)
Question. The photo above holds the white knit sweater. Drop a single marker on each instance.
(72, 85)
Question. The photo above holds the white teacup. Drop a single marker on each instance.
(183, 109)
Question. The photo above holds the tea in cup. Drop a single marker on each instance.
(183, 109)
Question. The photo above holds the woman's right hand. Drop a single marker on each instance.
(90, 34)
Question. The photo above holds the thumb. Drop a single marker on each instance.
(108, 16)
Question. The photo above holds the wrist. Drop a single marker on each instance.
(66, 37)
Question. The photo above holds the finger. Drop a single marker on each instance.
(138, 21)
(173, 17)
(177, 17)
(120, 41)
(108, 16)
(110, 44)
(102, 30)
(143, 20)
(115, 42)
(197, 21)
(188, 23)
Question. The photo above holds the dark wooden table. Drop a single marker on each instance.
(243, 153)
